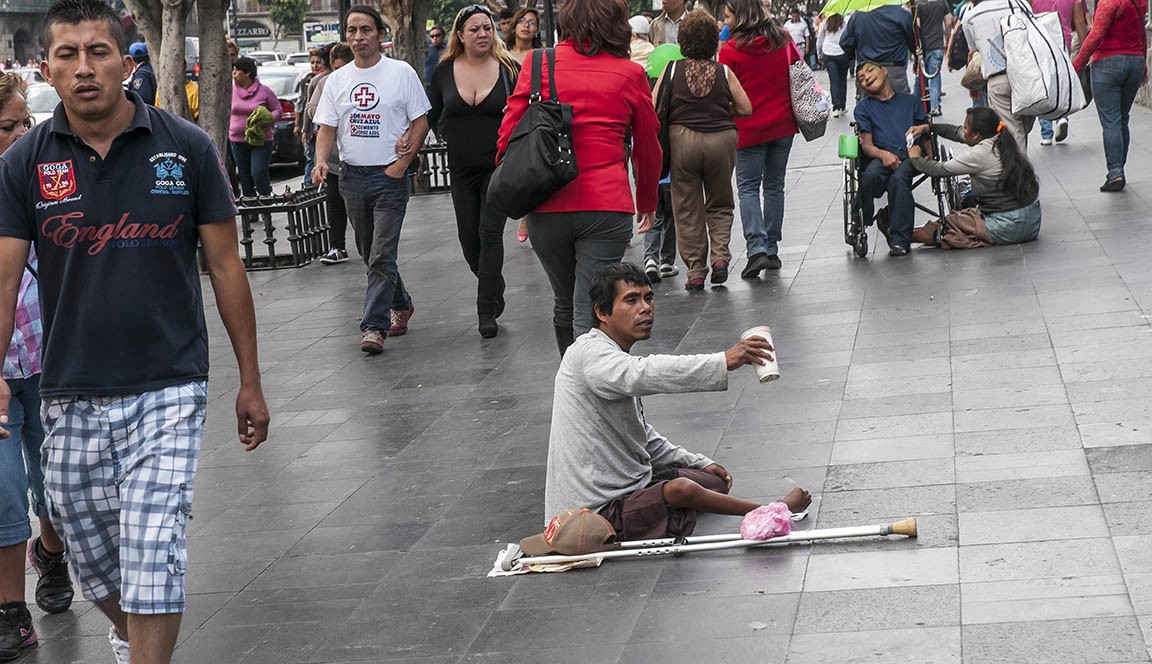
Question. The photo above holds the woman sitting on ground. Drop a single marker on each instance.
(1003, 182)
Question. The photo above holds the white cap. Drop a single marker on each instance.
(639, 24)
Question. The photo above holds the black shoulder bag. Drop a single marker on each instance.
(539, 160)
(664, 113)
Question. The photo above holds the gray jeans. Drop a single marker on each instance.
(572, 247)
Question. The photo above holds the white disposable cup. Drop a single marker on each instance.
(770, 370)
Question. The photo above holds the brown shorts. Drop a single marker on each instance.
(643, 514)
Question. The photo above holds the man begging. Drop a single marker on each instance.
(603, 455)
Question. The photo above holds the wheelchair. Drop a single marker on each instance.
(946, 192)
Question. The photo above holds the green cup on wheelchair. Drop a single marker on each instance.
(849, 146)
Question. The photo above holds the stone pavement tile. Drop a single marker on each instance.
(792, 434)
(1015, 441)
(841, 508)
(609, 623)
(242, 644)
(1088, 322)
(324, 570)
(746, 455)
(893, 449)
(1011, 328)
(1111, 434)
(896, 405)
(399, 635)
(1082, 371)
(629, 579)
(881, 569)
(1018, 494)
(1018, 396)
(920, 472)
(767, 486)
(878, 608)
(1073, 597)
(936, 531)
(897, 369)
(1032, 525)
(1124, 487)
(1140, 591)
(1021, 465)
(868, 388)
(1088, 300)
(1015, 417)
(1146, 628)
(593, 654)
(1134, 518)
(926, 645)
(698, 619)
(1004, 378)
(1079, 641)
(770, 649)
(324, 540)
(1120, 411)
(1119, 459)
(491, 528)
(1038, 560)
(1103, 390)
(888, 427)
(1134, 552)
(994, 360)
(268, 517)
(740, 573)
(1015, 344)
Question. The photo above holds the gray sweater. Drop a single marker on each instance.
(981, 163)
(600, 447)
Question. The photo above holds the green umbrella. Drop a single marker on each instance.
(843, 7)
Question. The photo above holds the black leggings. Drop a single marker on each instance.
(481, 232)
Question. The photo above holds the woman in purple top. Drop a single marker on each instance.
(250, 153)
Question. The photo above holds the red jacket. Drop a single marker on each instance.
(764, 76)
(1117, 29)
(608, 95)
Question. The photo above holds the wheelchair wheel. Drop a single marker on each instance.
(861, 245)
(852, 227)
(945, 188)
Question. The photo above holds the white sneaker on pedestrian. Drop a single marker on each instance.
(1045, 141)
(119, 646)
(1061, 129)
(334, 256)
(668, 270)
(652, 270)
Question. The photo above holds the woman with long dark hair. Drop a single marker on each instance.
(468, 91)
(525, 34)
(1116, 46)
(587, 224)
(1003, 181)
(835, 60)
(759, 51)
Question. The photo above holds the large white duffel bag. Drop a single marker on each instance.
(1038, 68)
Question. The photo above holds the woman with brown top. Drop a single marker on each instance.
(702, 139)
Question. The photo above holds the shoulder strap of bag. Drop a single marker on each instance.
(537, 61)
(550, 53)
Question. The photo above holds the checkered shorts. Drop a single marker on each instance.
(118, 481)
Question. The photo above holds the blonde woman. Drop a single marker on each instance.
(468, 91)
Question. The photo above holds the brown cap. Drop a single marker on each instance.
(573, 532)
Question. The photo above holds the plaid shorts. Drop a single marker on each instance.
(118, 481)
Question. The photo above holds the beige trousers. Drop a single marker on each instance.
(1000, 100)
(702, 196)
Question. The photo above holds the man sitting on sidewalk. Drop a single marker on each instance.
(603, 455)
(886, 120)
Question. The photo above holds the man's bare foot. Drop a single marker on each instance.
(797, 500)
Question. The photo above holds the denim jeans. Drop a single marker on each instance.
(21, 473)
(660, 242)
(376, 205)
(252, 164)
(309, 161)
(838, 68)
(934, 71)
(762, 166)
(572, 247)
(875, 181)
(1115, 80)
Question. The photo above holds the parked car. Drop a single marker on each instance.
(284, 80)
(298, 59)
(42, 101)
(192, 57)
(265, 57)
(30, 75)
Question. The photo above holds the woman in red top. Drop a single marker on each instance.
(588, 223)
(759, 53)
(1117, 45)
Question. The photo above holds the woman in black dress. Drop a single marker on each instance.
(468, 91)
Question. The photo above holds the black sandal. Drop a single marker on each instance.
(1115, 184)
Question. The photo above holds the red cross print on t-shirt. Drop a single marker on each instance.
(364, 96)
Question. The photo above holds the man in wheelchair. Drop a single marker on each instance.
(889, 124)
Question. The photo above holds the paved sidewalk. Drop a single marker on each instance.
(1001, 396)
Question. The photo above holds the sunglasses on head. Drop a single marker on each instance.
(470, 11)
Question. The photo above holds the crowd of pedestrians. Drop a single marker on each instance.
(133, 386)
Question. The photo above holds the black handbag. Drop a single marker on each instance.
(539, 160)
(664, 112)
(958, 50)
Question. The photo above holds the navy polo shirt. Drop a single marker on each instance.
(116, 238)
(889, 120)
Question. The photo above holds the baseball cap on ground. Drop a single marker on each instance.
(572, 532)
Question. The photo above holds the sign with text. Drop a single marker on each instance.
(321, 34)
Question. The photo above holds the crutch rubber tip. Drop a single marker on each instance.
(905, 527)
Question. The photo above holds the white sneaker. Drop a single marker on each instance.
(334, 256)
(1045, 141)
(119, 646)
(652, 270)
(1061, 129)
(669, 270)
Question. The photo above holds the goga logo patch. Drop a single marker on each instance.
(57, 180)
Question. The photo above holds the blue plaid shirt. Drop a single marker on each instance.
(23, 358)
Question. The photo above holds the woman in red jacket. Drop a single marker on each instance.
(588, 223)
(1117, 46)
(758, 53)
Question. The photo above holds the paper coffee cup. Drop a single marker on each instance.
(770, 370)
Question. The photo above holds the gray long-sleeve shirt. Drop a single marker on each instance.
(980, 163)
(600, 447)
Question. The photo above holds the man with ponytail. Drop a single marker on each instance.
(1003, 182)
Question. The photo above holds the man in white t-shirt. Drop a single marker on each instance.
(376, 111)
(798, 28)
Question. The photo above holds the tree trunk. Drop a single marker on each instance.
(215, 71)
(407, 18)
(169, 64)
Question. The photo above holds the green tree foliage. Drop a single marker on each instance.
(288, 15)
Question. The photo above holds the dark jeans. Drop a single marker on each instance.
(481, 231)
(252, 163)
(572, 247)
(376, 205)
(337, 213)
(762, 166)
(838, 68)
(875, 181)
(660, 242)
(1115, 80)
